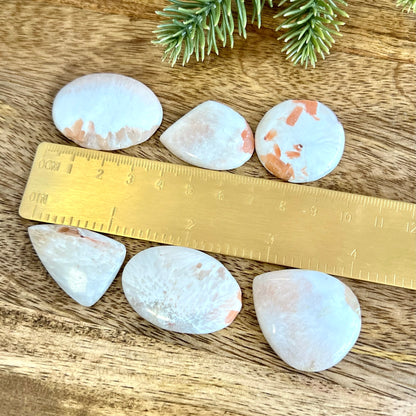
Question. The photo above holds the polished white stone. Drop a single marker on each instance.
(310, 319)
(82, 262)
(212, 136)
(181, 289)
(300, 140)
(106, 111)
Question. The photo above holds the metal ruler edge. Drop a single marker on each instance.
(265, 220)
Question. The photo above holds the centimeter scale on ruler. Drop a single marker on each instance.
(344, 234)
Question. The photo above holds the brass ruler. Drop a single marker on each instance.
(299, 226)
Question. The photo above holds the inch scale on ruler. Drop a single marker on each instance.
(299, 226)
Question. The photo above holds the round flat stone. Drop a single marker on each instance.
(212, 136)
(300, 140)
(83, 263)
(310, 319)
(181, 289)
(106, 111)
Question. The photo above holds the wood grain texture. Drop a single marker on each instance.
(59, 358)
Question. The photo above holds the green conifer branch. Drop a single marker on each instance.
(257, 9)
(310, 26)
(407, 5)
(195, 26)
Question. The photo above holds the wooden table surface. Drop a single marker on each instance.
(59, 358)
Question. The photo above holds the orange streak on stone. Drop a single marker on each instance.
(277, 151)
(292, 155)
(75, 132)
(275, 165)
(73, 232)
(294, 115)
(239, 296)
(91, 139)
(230, 317)
(304, 171)
(311, 107)
(248, 140)
(270, 135)
(69, 231)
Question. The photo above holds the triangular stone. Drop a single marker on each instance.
(82, 262)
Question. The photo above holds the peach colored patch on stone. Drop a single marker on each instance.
(274, 164)
(270, 135)
(311, 107)
(248, 140)
(92, 140)
(294, 115)
(69, 231)
(231, 316)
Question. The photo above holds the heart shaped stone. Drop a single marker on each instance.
(310, 319)
(82, 262)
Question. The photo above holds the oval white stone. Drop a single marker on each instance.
(106, 111)
(181, 289)
(310, 319)
(300, 140)
(82, 262)
(212, 136)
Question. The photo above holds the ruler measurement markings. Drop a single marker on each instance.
(110, 223)
(314, 203)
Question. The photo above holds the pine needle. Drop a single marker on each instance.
(194, 27)
(197, 27)
(407, 5)
(310, 25)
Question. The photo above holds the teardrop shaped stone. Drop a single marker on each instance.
(82, 262)
(181, 289)
(106, 111)
(300, 140)
(310, 319)
(212, 136)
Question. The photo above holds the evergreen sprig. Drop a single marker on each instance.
(193, 27)
(310, 26)
(407, 5)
